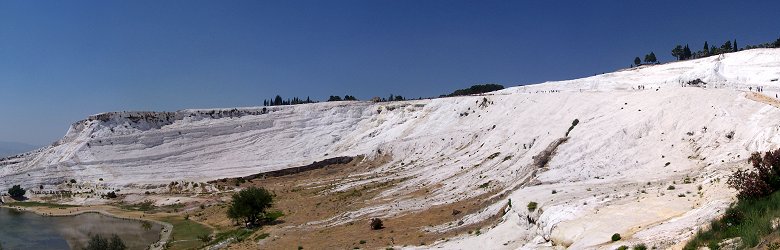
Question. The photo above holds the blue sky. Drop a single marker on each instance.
(63, 60)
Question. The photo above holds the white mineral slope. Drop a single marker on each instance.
(610, 176)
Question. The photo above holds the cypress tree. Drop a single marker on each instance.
(686, 52)
(726, 47)
(706, 49)
(637, 61)
(736, 48)
(278, 100)
(677, 52)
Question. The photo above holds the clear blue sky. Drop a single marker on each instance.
(63, 60)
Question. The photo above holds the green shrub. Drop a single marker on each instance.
(16, 191)
(376, 224)
(616, 237)
(640, 246)
(622, 247)
(532, 206)
(671, 187)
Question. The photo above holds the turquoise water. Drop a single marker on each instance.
(24, 230)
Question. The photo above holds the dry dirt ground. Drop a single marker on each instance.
(763, 99)
(308, 196)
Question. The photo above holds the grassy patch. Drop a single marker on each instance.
(40, 204)
(146, 205)
(238, 234)
(186, 232)
(749, 219)
(273, 215)
(262, 236)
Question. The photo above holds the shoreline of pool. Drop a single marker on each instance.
(165, 232)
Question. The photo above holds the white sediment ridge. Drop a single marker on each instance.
(640, 131)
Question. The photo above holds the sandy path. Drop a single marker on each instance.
(763, 99)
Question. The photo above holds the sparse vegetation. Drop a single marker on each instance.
(749, 219)
(758, 204)
(98, 242)
(640, 246)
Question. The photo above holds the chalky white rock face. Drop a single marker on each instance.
(640, 131)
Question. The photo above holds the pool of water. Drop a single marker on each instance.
(25, 230)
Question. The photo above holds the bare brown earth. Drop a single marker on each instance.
(310, 196)
(307, 197)
(763, 99)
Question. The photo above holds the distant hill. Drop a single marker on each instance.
(11, 148)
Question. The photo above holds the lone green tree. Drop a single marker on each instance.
(706, 49)
(97, 242)
(637, 61)
(16, 192)
(249, 205)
